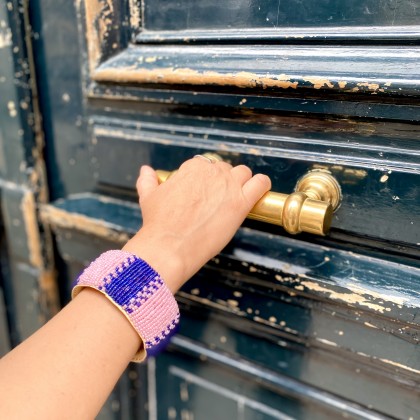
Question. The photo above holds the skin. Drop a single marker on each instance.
(68, 368)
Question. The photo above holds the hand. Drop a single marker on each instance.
(188, 219)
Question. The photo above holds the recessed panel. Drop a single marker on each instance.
(246, 14)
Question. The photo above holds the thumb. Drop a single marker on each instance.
(147, 182)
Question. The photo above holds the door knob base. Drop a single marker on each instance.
(320, 185)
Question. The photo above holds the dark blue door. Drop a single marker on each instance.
(277, 326)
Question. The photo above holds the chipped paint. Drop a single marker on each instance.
(134, 6)
(28, 208)
(371, 86)
(400, 366)
(270, 262)
(327, 342)
(5, 37)
(150, 59)
(98, 24)
(171, 75)
(47, 279)
(61, 218)
(388, 297)
(349, 297)
(319, 83)
(222, 305)
(12, 109)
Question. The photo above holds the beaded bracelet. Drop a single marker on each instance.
(138, 292)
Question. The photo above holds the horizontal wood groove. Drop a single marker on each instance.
(405, 158)
(115, 220)
(314, 34)
(390, 71)
(274, 380)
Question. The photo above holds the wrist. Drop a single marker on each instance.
(139, 292)
(162, 252)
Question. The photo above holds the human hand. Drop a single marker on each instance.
(188, 219)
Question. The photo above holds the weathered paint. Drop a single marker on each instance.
(347, 107)
(339, 69)
(193, 77)
(98, 14)
(73, 221)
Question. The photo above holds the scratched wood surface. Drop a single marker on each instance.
(275, 327)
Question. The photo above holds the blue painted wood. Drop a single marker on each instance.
(29, 282)
(298, 325)
(244, 14)
(293, 308)
(352, 70)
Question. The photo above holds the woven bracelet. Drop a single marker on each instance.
(138, 292)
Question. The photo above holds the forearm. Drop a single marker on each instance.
(68, 368)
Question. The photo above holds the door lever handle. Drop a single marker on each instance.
(308, 209)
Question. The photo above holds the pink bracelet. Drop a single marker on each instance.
(138, 292)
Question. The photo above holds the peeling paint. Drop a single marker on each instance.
(134, 6)
(28, 208)
(319, 83)
(398, 300)
(12, 109)
(98, 25)
(327, 342)
(222, 305)
(61, 218)
(349, 297)
(368, 324)
(371, 86)
(47, 279)
(5, 37)
(399, 365)
(173, 75)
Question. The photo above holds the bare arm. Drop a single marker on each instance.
(68, 368)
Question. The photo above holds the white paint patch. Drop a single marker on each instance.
(399, 365)
(5, 37)
(327, 342)
(349, 297)
(270, 262)
(397, 299)
(134, 13)
(12, 109)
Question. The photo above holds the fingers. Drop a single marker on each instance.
(241, 173)
(147, 182)
(255, 188)
(201, 162)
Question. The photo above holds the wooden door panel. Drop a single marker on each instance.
(243, 14)
(372, 195)
(275, 326)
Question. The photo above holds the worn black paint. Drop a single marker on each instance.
(244, 14)
(356, 347)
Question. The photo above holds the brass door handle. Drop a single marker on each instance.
(309, 209)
